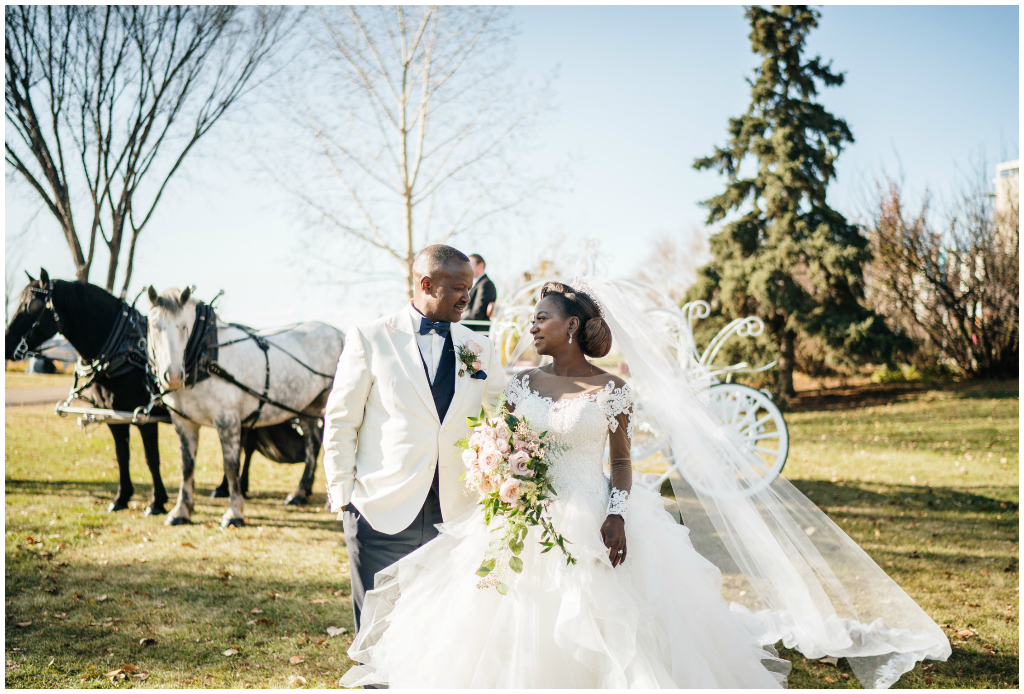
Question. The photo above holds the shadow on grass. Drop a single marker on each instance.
(192, 614)
(853, 397)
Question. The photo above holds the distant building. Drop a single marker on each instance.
(1007, 184)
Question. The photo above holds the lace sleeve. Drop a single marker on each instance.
(518, 387)
(615, 402)
(617, 406)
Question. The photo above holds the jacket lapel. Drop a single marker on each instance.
(459, 336)
(404, 340)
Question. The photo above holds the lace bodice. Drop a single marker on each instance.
(580, 424)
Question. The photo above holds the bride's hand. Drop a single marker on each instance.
(613, 532)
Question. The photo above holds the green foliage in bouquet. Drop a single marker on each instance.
(507, 464)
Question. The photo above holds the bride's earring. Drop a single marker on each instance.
(570, 337)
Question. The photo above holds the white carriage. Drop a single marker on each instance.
(749, 412)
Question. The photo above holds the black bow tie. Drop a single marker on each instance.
(441, 327)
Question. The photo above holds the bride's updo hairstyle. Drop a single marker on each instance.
(594, 335)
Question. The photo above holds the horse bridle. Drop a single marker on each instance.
(46, 294)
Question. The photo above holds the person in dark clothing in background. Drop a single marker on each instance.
(482, 296)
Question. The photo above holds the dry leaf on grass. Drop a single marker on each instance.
(336, 631)
(230, 652)
(101, 598)
(140, 676)
(296, 679)
(24, 624)
(829, 660)
(147, 641)
(318, 601)
(296, 659)
(255, 610)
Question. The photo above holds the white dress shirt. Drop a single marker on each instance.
(431, 345)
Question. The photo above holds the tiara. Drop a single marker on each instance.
(580, 284)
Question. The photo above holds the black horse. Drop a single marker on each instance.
(87, 315)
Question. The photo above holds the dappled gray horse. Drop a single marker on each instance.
(224, 376)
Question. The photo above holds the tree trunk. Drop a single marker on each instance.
(787, 359)
(410, 254)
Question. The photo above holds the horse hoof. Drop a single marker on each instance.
(117, 506)
(219, 493)
(232, 523)
(295, 500)
(177, 520)
(156, 510)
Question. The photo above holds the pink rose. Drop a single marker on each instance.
(519, 464)
(489, 460)
(485, 486)
(520, 445)
(488, 432)
(469, 457)
(476, 440)
(503, 446)
(475, 349)
(509, 492)
(476, 365)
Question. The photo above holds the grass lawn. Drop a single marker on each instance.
(925, 480)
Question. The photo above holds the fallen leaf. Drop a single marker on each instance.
(140, 676)
(230, 652)
(829, 661)
(315, 639)
(296, 659)
(60, 615)
(914, 555)
(283, 638)
(296, 679)
(188, 544)
(147, 641)
(99, 578)
(101, 598)
(129, 668)
(112, 674)
(336, 631)
(318, 601)
(929, 680)
(24, 624)
(255, 610)
(263, 620)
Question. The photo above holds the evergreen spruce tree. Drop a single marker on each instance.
(789, 257)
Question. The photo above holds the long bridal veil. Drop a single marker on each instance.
(784, 563)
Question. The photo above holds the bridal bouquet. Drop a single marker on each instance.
(505, 461)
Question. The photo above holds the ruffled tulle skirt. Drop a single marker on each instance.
(657, 620)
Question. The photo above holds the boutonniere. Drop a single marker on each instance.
(469, 360)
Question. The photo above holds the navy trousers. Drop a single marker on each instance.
(370, 551)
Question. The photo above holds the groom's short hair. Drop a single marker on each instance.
(436, 258)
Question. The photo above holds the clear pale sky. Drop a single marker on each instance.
(641, 93)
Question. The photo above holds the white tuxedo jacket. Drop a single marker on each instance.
(382, 435)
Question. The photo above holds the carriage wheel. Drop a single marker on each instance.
(650, 450)
(758, 422)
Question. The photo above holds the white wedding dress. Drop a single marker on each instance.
(658, 620)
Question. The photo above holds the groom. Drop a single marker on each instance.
(400, 400)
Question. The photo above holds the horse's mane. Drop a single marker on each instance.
(88, 313)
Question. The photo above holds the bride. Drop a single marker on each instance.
(641, 607)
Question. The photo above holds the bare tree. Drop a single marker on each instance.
(104, 103)
(954, 287)
(417, 126)
(673, 262)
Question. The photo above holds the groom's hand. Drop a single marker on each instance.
(613, 532)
